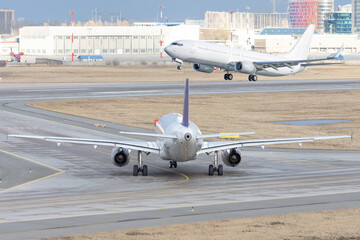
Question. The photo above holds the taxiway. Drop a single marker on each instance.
(47, 190)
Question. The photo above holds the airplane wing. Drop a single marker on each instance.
(306, 62)
(209, 147)
(150, 147)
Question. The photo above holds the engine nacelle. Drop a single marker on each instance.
(231, 157)
(120, 156)
(203, 68)
(245, 67)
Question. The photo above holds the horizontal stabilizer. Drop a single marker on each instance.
(149, 135)
(223, 135)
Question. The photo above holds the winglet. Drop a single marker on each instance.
(185, 121)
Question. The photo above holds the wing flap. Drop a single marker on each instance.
(218, 146)
(151, 147)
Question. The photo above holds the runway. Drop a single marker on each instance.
(75, 189)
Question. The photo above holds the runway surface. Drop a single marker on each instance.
(46, 190)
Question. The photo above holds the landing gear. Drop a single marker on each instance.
(172, 164)
(179, 67)
(228, 76)
(253, 78)
(216, 167)
(140, 168)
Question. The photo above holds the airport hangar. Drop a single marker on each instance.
(100, 40)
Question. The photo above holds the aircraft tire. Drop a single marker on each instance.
(250, 78)
(230, 77)
(254, 78)
(175, 164)
(226, 77)
(135, 170)
(220, 170)
(179, 67)
(211, 170)
(170, 164)
(145, 170)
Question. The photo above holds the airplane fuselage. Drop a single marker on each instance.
(186, 146)
(219, 56)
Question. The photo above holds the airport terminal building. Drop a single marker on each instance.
(60, 40)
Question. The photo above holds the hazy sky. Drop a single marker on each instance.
(136, 10)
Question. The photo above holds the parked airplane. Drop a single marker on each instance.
(178, 140)
(208, 56)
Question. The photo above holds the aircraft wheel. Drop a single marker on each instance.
(145, 170)
(230, 77)
(179, 67)
(135, 170)
(175, 164)
(211, 170)
(220, 170)
(226, 76)
(170, 164)
(250, 78)
(254, 78)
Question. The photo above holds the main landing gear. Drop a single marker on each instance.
(172, 164)
(140, 168)
(216, 167)
(253, 78)
(179, 67)
(228, 76)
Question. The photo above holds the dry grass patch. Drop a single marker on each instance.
(234, 112)
(322, 225)
(112, 74)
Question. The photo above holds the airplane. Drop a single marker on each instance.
(178, 140)
(206, 57)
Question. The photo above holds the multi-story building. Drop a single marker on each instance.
(356, 16)
(243, 20)
(302, 13)
(338, 23)
(7, 21)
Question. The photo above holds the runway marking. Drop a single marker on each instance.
(59, 171)
(183, 206)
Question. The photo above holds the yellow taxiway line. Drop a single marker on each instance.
(59, 171)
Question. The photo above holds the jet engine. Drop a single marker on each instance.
(231, 157)
(203, 68)
(245, 67)
(120, 156)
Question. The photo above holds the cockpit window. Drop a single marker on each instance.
(177, 44)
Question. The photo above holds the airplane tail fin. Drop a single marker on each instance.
(301, 49)
(185, 121)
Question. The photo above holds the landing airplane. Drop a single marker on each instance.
(178, 140)
(208, 56)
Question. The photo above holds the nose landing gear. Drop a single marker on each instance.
(253, 78)
(172, 164)
(228, 76)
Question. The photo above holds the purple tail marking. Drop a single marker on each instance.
(185, 121)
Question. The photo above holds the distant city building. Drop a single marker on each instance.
(356, 16)
(200, 23)
(345, 8)
(57, 40)
(302, 13)
(7, 21)
(338, 23)
(243, 20)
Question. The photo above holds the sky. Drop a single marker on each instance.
(136, 10)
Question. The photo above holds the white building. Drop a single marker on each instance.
(355, 16)
(51, 40)
(321, 43)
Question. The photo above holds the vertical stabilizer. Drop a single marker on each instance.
(185, 121)
(301, 49)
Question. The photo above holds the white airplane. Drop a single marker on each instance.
(208, 56)
(178, 140)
